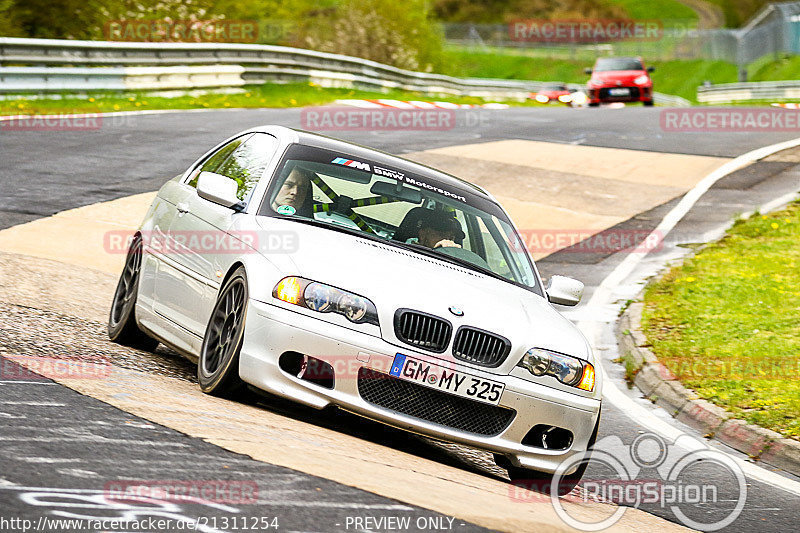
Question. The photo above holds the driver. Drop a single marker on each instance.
(440, 229)
(294, 192)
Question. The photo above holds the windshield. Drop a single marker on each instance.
(391, 204)
(617, 63)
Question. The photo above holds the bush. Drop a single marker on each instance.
(398, 33)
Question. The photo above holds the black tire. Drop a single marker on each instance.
(541, 481)
(648, 103)
(122, 327)
(594, 104)
(218, 365)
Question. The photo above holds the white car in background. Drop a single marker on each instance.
(330, 273)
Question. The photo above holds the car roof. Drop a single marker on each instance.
(292, 135)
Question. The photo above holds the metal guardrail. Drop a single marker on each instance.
(750, 91)
(97, 65)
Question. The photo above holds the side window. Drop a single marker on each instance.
(247, 162)
(213, 163)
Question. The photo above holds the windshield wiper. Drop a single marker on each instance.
(448, 258)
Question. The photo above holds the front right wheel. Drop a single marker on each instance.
(218, 365)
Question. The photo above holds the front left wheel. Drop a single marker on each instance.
(218, 366)
(122, 327)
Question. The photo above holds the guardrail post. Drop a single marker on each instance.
(740, 65)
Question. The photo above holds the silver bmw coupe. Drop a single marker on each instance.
(333, 274)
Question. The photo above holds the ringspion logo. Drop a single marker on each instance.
(684, 476)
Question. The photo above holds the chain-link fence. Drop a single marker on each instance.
(774, 31)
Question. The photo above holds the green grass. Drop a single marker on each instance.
(680, 78)
(666, 10)
(726, 322)
(269, 95)
(769, 69)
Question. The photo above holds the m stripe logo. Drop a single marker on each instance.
(350, 163)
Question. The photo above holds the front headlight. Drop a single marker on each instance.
(566, 369)
(326, 299)
(641, 80)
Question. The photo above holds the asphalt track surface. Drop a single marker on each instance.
(46, 172)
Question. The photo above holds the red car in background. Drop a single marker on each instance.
(557, 92)
(619, 79)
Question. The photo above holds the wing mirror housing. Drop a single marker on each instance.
(562, 290)
(651, 69)
(219, 189)
(587, 71)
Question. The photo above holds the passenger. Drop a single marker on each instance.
(440, 229)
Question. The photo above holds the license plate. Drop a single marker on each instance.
(619, 92)
(446, 380)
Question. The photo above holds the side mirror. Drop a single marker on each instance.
(587, 71)
(651, 69)
(562, 290)
(219, 189)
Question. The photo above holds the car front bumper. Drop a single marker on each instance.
(636, 93)
(271, 331)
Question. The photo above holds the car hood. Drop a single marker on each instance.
(395, 278)
(612, 76)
